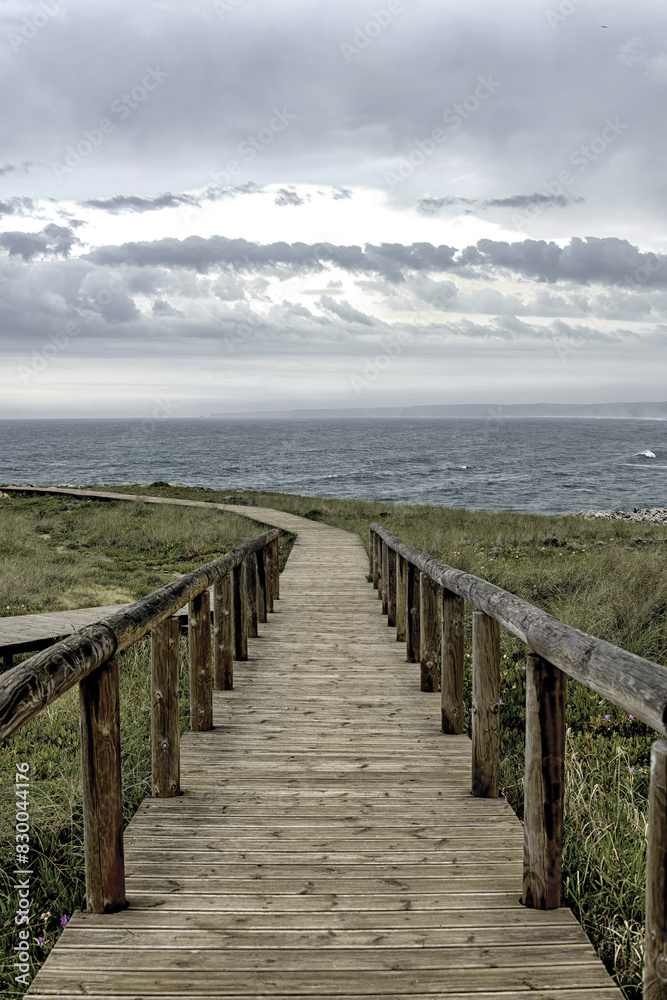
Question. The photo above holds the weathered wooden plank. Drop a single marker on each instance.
(193, 982)
(327, 841)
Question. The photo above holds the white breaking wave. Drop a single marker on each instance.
(647, 453)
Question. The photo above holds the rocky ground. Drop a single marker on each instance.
(656, 515)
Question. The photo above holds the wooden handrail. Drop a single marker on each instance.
(32, 685)
(89, 658)
(637, 685)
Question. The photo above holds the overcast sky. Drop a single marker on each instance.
(248, 204)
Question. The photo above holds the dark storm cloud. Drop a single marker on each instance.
(53, 241)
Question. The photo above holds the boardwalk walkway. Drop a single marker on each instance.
(327, 844)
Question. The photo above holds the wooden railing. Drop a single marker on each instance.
(424, 598)
(245, 584)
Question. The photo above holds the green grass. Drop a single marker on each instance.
(608, 578)
(59, 553)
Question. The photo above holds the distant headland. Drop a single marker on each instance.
(608, 411)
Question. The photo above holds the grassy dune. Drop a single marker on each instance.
(608, 578)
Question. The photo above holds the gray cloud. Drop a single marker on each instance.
(432, 206)
(53, 241)
(607, 260)
(288, 196)
(17, 206)
(134, 203)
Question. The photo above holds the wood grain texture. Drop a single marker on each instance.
(544, 786)
(165, 738)
(35, 683)
(326, 843)
(99, 702)
(412, 627)
(201, 680)
(636, 685)
(485, 706)
(401, 598)
(655, 957)
(429, 633)
(451, 673)
(223, 634)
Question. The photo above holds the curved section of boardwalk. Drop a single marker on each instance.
(327, 844)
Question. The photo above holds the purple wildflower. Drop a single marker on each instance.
(64, 920)
(607, 717)
(40, 940)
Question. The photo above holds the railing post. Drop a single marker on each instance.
(485, 706)
(655, 954)
(391, 587)
(201, 681)
(251, 592)
(401, 594)
(275, 563)
(269, 576)
(384, 583)
(260, 557)
(451, 670)
(240, 618)
(412, 623)
(378, 563)
(223, 634)
(102, 797)
(428, 632)
(165, 734)
(544, 785)
(371, 557)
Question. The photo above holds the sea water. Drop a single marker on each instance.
(545, 465)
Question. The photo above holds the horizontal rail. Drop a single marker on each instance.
(32, 685)
(636, 685)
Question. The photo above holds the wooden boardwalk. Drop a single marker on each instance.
(327, 844)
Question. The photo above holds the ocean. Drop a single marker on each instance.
(548, 466)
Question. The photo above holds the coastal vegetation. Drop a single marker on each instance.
(608, 578)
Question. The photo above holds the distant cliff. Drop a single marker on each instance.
(617, 411)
